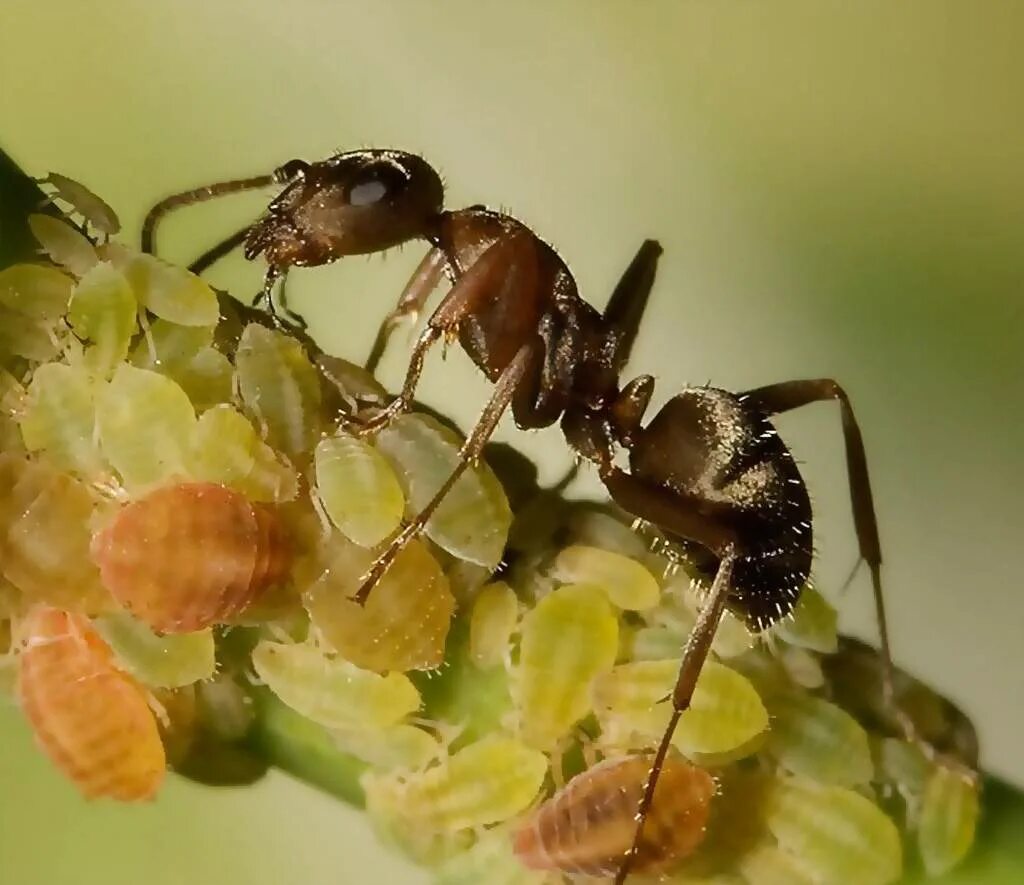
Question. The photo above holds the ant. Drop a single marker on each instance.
(709, 471)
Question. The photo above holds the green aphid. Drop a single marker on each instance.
(840, 836)
(358, 488)
(167, 291)
(473, 520)
(493, 619)
(629, 584)
(814, 738)
(27, 337)
(726, 712)
(330, 690)
(767, 864)
(812, 624)
(490, 860)
(35, 291)
(146, 424)
(948, 820)
(225, 709)
(166, 346)
(280, 387)
(568, 640)
(63, 244)
(59, 419)
(485, 783)
(102, 313)
(403, 747)
(226, 449)
(904, 765)
(168, 661)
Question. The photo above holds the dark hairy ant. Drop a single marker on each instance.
(709, 471)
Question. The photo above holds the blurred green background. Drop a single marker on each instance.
(839, 189)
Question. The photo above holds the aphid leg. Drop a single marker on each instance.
(628, 301)
(694, 654)
(419, 288)
(789, 395)
(199, 195)
(504, 388)
(215, 253)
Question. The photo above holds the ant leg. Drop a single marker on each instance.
(422, 283)
(215, 253)
(504, 388)
(790, 395)
(199, 195)
(628, 301)
(694, 654)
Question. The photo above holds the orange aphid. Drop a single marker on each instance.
(587, 827)
(91, 719)
(191, 555)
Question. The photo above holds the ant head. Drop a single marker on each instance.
(350, 204)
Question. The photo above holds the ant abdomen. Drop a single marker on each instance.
(711, 446)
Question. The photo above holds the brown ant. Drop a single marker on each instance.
(708, 471)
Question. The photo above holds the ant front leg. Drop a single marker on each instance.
(789, 395)
(504, 389)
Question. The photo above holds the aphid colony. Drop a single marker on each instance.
(182, 520)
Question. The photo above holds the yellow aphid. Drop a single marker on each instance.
(629, 584)
(569, 639)
(159, 661)
(34, 291)
(358, 489)
(814, 738)
(60, 418)
(678, 612)
(405, 747)
(424, 847)
(652, 644)
(494, 616)
(27, 337)
(146, 424)
(405, 621)
(839, 836)
(473, 520)
(91, 719)
(948, 819)
(63, 244)
(165, 346)
(280, 387)
(812, 624)
(726, 712)
(491, 860)
(485, 783)
(226, 449)
(102, 312)
(171, 293)
(330, 690)
(768, 864)
(44, 537)
(83, 201)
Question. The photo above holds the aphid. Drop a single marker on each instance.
(91, 719)
(491, 860)
(332, 691)
(102, 313)
(83, 201)
(767, 864)
(358, 489)
(34, 291)
(587, 827)
(568, 640)
(838, 834)
(63, 244)
(165, 290)
(405, 747)
(629, 585)
(811, 624)
(948, 818)
(494, 616)
(191, 555)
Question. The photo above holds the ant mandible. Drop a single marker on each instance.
(708, 471)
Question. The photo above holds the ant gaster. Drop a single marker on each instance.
(708, 471)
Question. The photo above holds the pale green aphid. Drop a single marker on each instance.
(280, 387)
(840, 836)
(169, 661)
(904, 764)
(949, 817)
(423, 846)
(725, 713)
(35, 291)
(168, 291)
(331, 691)
(358, 489)
(679, 608)
(165, 346)
(767, 864)
(473, 520)
(801, 666)
(490, 860)
(146, 424)
(494, 616)
(652, 644)
(405, 747)
(484, 783)
(225, 708)
(60, 418)
(63, 244)
(226, 449)
(629, 584)
(812, 737)
(27, 337)
(102, 312)
(569, 639)
(812, 624)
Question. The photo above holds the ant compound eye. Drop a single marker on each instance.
(376, 182)
(291, 170)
